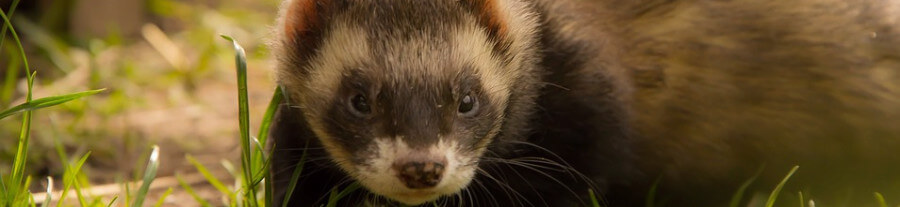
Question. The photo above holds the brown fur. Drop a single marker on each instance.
(723, 88)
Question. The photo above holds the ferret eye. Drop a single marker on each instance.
(360, 105)
(467, 105)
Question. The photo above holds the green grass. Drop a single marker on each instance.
(775, 192)
(254, 162)
(739, 194)
(190, 190)
(46, 102)
(212, 179)
(149, 175)
(594, 201)
(295, 176)
(880, 199)
(15, 184)
(251, 157)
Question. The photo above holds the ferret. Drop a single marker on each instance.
(540, 102)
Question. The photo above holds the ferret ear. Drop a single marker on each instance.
(303, 24)
(301, 16)
(490, 16)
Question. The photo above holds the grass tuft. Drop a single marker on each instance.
(211, 178)
(739, 194)
(14, 191)
(336, 195)
(187, 188)
(162, 199)
(254, 161)
(594, 201)
(248, 166)
(70, 179)
(651, 195)
(149, 175)
(880, 199)
(49, 192)
(295, 176)
(113, 201)
(774, 195)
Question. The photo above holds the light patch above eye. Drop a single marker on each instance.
(473, 47)
(346, 47)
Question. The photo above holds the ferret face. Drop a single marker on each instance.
(405, 95)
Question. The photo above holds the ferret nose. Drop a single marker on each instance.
(420, 174)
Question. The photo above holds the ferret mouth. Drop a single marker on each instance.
(418, 194)
(415, 197)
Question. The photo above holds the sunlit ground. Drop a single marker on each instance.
(169, 80)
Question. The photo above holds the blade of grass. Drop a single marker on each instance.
(258, 160)
(594, 201)
(52, 46)
(651, 196)
(244, 123)
(68, 178)
(237, 178)
(9, 84)
(140, 167)
(26, 195)
(210, 178)
(55, 14)
(269, 197)
(739, 195)
(97, 201)
(74, 179)
(49, 192)
(191, 191)
(334, 197)
(800, 194)
(113, 201)
(263, 138)
(774, 195)
(295, 177)
(18, 189)
(8, 24)
(262, 164)
(12, 10)
(149, 176)
(33, 202)
(270, 113)
(162, 199)
(46, 102)
(3, 190)
(57, 144)
(880, 199)
(261, 173)
(229, 167)
(127, 193)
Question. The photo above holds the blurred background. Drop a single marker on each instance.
(169, 79)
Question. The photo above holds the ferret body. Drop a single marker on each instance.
(532, 103)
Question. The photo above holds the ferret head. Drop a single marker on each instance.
(407, 95)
